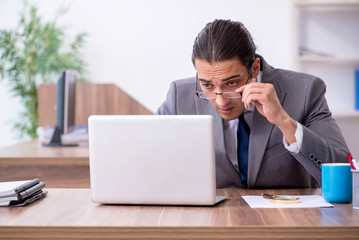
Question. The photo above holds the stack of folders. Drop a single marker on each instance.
(21, 193)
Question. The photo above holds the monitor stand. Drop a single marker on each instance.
(56, 140)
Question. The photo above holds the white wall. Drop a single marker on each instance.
(143, 45)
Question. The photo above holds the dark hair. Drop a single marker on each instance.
(223, 40)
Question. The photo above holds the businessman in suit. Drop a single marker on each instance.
(273, 127)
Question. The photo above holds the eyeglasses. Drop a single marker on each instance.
(213, 95)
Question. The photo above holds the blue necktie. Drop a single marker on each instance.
(242, 148)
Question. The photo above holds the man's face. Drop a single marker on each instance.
(225, 76)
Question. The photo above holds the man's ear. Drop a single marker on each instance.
(256, 67)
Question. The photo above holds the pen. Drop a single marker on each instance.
(34, 197)
(350, 158)
(27, 185)
(30, 191)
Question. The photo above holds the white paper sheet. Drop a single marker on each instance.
(305, 201)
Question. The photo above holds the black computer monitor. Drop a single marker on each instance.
(65, 107)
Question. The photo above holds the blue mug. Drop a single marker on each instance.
(337, 182)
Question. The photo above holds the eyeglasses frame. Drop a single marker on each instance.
(221, 93)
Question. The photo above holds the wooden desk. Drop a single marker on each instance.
(70, 214)
(66, 167)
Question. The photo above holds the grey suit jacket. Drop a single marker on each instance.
(270, 164)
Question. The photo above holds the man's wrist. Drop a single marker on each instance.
(288, 127)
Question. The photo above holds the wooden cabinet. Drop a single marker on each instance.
(91, 99)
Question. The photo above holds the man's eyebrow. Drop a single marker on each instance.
(223, 80)
(203, 80)
(229, 78)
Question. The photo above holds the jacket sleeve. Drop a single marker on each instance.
(168, 107)
(322, 138)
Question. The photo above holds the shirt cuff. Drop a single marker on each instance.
(295, 147)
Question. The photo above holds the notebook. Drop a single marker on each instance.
(152, 159)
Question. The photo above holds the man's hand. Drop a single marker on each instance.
(265, 99)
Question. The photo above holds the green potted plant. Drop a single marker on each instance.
(32, 54)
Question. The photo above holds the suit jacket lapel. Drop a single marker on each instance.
(260, 128)
(260, 132)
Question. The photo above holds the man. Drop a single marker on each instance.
(278, 120)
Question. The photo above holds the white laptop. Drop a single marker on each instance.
(152, 159)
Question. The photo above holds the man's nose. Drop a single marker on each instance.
(221, 101)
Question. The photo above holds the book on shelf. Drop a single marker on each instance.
(20, 193)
